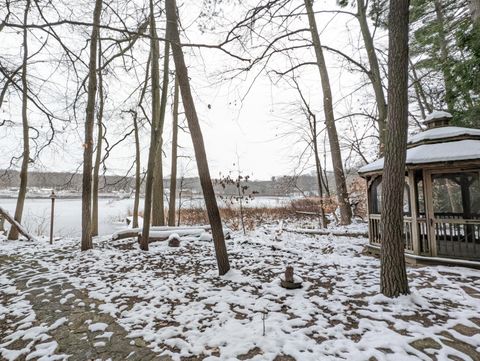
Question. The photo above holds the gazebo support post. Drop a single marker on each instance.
(413, 205)
(432, 238)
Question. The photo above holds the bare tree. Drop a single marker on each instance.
(98, 152)
(340, 182)
(138, 179)
(89, 124)
(173, 172)
(374, 74)
(313, 143)
(197, 138)
(393, 275)
(158, 211)
(22, 192)
(154, 134)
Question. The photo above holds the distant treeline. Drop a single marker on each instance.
(276, 186)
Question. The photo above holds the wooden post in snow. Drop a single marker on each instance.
(52, 196)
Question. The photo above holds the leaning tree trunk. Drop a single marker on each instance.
(393, 275)
(158, 211)
(98, 153)
(22, 192)
(147, 209)
(197, 139)
(89, 123)
(340, 182)
(173, 173)
(375, 76)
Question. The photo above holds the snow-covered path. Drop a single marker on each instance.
(172, 301)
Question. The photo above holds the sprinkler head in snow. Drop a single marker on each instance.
(289, 280)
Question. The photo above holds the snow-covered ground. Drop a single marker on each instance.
(171, 300)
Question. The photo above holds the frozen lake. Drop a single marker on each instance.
(112, 213)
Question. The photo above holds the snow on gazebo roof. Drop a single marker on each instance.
(443, 133)
(437, 115)
(467, 149)
(439, 143)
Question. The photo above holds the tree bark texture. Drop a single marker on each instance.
(98, 152)
(147, 209)
(138, 180)
(89, 124)
(173, 172)
(197, 139)
(22, 192)
(158, 210)
(318, 168)
(393, 275)
(340, 182)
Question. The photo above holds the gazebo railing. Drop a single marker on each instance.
(376, 231)
(454, 237)
(458, 238)
(423, 236)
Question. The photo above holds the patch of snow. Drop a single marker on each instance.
(44, 351)
(58, 323)
(66, 298)
(173, 236)
(99, 326)
(205, 236)
(107, 335)
(437, 114)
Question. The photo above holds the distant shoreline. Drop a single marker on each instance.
(112, 196)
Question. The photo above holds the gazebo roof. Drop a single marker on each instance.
(443, 134)
(467, 149)
(439, 144)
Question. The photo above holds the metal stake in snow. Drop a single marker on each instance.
(52, 196)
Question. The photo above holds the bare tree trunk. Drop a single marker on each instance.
(180, 193)
(147, 210)
(138, 180)
(318, 168)
(89, 123)
(393, 275)
(98, 154)
(158, 211)
(22, 192)
(375, 75)
(340, 182)
(312, 124)
(197, 139)
(173, 173)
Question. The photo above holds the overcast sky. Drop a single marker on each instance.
(241, 119)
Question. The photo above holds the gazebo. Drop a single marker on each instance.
(441, 201)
